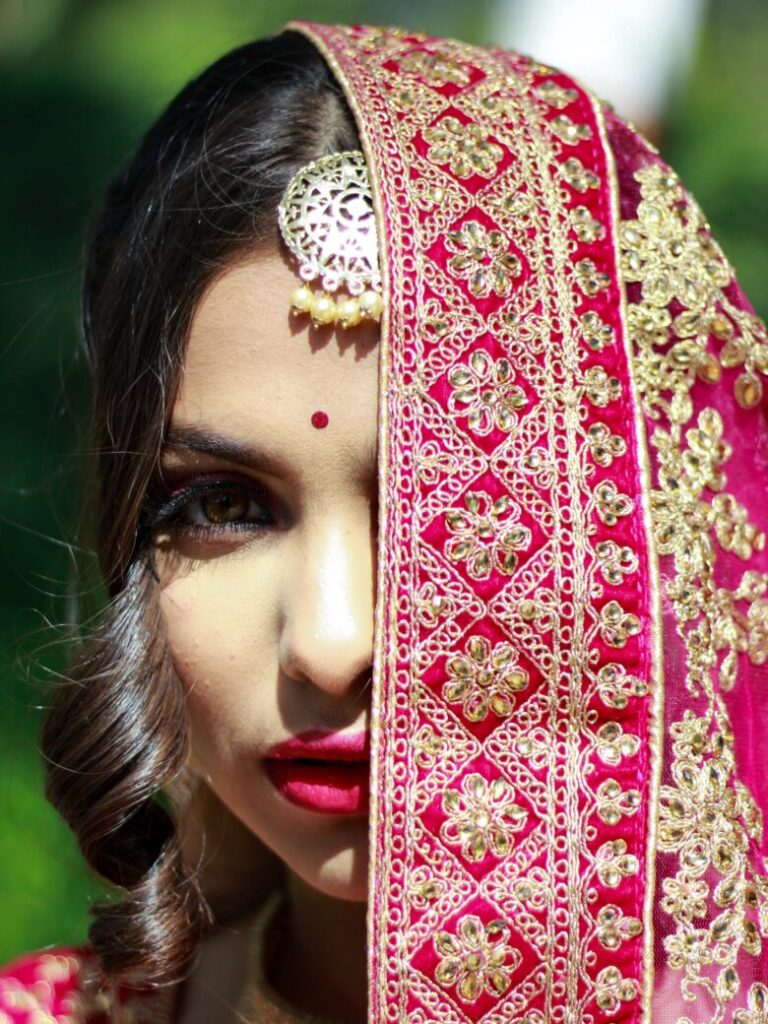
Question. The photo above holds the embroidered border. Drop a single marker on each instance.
(514, 649)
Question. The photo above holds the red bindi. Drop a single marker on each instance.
(319, 420)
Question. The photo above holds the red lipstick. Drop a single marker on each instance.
(323, 772)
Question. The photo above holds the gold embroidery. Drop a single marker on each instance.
(483, 818)
(482, 259)
(578, 176)
(556, 95)
(485, 679)
(485, 392)
(476, 959)
(590, 279)
(486, 535)
(667, 249)
(613, 990)
(569, 132)
(465, 147)
(708, 819)
(614, 927)
(436, 67)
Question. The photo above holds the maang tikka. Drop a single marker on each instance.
(327, 220)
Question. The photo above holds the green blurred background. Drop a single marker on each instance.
(80, 80)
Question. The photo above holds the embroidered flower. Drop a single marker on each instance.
(757, 1006)
(613, 802)
(578, 176)
(597, 335)
(590, 279)
(556, 95)
(483, 818)
(586, 227)
(688, 948)
(601, 389)
(484, 679)
(616, 625)
(613, 744)
(612, 989)
(435, 67)
(569, 131)
(616, 686)
(611, 505)
(484, 392)
(614, 927)
(476, 959)
(603, 445)
(464, 146)
(482, 259)
(615, 562)
(614, 864)
(685, 897)
(484, 537)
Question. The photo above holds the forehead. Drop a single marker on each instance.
(253, 371)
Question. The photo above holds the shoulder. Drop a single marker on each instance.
(62, 986)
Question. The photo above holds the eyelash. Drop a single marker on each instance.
(171, 514)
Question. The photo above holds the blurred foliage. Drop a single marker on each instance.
(79, 80)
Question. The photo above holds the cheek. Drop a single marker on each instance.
(219, 640)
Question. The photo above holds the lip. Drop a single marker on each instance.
(327, 773)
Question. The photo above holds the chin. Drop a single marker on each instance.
(338, 870)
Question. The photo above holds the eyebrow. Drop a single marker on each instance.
(232, 449)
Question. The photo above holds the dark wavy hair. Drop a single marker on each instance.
(199, 193)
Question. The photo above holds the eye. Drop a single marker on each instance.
(216, 505)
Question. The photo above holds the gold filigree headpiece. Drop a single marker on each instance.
(327, 220)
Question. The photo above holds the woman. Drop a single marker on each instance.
(562, 691)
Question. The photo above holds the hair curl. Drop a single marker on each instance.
(199, 192)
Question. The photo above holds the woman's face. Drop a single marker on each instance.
(266, 557)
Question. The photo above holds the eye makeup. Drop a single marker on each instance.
(213, 504)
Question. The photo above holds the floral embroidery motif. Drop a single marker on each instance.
(464, 147)
(435, 67)
(483, 818)
(757, 1006)
(613, 744)
(589, 278)
(485, 392)
(613, 990)
(614, 927)
(613, 803)
(600, 388)
(614, 863)
(568, 131)
(597, 335)
(707, 818)
(615, 562)
(476, 959)
(485, 536)
(556, 95)
(610, 504)
(482, 259)
(485, 679)
(616, 625)
(616, 686)
(605, 446)
(586, 227)
(669, 252)
(579, 177)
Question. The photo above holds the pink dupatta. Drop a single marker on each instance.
(572, 628)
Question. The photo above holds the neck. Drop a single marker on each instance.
(321, 968)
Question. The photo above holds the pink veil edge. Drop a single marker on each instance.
(712, 890)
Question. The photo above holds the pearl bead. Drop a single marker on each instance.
(348, 312)
(323, 310)
(301, 299)
(371, 305)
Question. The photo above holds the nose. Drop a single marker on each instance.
(327, 633)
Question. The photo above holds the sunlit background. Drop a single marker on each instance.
(80, 80)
